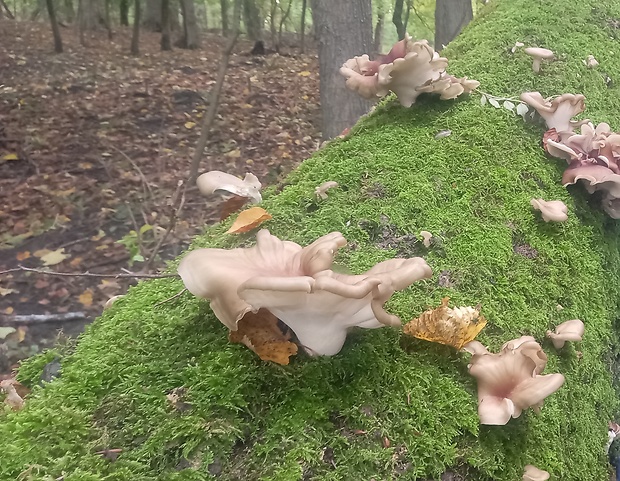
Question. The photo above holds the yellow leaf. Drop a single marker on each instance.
(41, 252)
(248, 220)
(260, 332)
(86, 298)
(54, 257)
(22, 255)
(190, 125)
(85, 165)
(452, 326)
(8, 157)
(233, 153)
(9, 310)
(6, 292)
(247, 106)
(305, 73)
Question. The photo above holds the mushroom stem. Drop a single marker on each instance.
(536, 65)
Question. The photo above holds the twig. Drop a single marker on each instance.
(178, 196)
(40, 318)
(178, 294)
(135, 166)
(127, 275)
(214, 98)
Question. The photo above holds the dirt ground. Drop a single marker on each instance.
(92, 145)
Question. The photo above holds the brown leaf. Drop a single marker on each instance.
(261, 333)
(248, 220)
(86, 298)
(232, 205)
(451, 326)
(22, 255)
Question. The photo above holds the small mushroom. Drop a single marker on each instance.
(567, 331)
(532, 473)
(321, 190)
(12, 399)
(552, 210)
(590, 62)
(215, 181)
(538, 54)
(426, 236)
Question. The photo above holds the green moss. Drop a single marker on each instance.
(385, 407)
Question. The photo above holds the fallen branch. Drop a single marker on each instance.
(40, 318)
(178, 294)
(126, 275)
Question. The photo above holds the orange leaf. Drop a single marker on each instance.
(454, 327)
(232, 205)
(261, 333)
(86, 298)
(22, 255)
(248, 220)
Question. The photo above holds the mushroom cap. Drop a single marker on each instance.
(215, 181)
(537, 52)
(558, 111)
(361, 75)
(532, 473)
(572, 330)
(551, 210)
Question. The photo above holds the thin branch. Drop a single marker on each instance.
(178, 294)
(40, 318)
(135, 166)
(214, 98)
(177, 197)
(128, 275)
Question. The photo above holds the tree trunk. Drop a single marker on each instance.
(135, 38)
(397, 19)
(108, 20)
(283, 18)
(224, 12)
(191, 36)
(252, 20)
(9, 14)
(124, 13)
(451, 16)
(304, 7)
(344, 30)
(152, 16)
(166, 44)
(378, 38)
(54, 22)
(89, 14)
(69, 11)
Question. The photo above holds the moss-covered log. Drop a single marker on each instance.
(384, 407)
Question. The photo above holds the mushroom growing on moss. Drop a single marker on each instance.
(297, 285)
(567, 331)
(538, 54)
(510, 382)
(551, 210)
(532, 473)
(216, 182)
(558, 111)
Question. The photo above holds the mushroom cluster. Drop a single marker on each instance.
(298, 286)
(593, 154)
(409, 69)
(511, 381)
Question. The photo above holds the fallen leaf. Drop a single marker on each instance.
(232, 205)
(41, 252)
(451, 326)
(260, 332)
(22, 255)
(248, 220)
(5, 331)
(54, 257)
(41, 284)
(86, 298)
(8, 157)
(233, 153)
(305, 73)
(9, 310)
(6, 292)
(12, 399)
(190, 125)
(85, 165)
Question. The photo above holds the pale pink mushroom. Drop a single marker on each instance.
(361, 75)
(297, 285)
(216, 182)
(532, 473)
(12, 399)
(509, 382)
(567, 331)
(558, 111)
(538, 54)
(551, 210)
(321, 190)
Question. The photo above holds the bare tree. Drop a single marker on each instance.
(304, 7)
(378, 37)
(55, 30)
(9, 14)
(124, 12)
(397, 19)
(451, 16)
(135, 37)
(165, 25)
(344, 29)
(224, 12)
(214, 96)
(191, 37)
(253, 21)
(284, 14)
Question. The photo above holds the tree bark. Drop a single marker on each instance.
(283, 18)
(9, 14)
(135, 37)
(214, 96)
(152, 16)
(54, 22)
(165, 43)
(252, 20)
(191, 36)
(89, 14)
(378, 37)
(124, 13)
(344, 29)
(397, 19)
(451, 16)
(304, 7)
(224, 12)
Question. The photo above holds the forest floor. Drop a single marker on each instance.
(93, 143)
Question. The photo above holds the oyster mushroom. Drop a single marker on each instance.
(532, 473)
(567, 331)
(551, 210)
(558, 111)
(538, 55)
(216, 182)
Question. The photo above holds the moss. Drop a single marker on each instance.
(385, 407)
